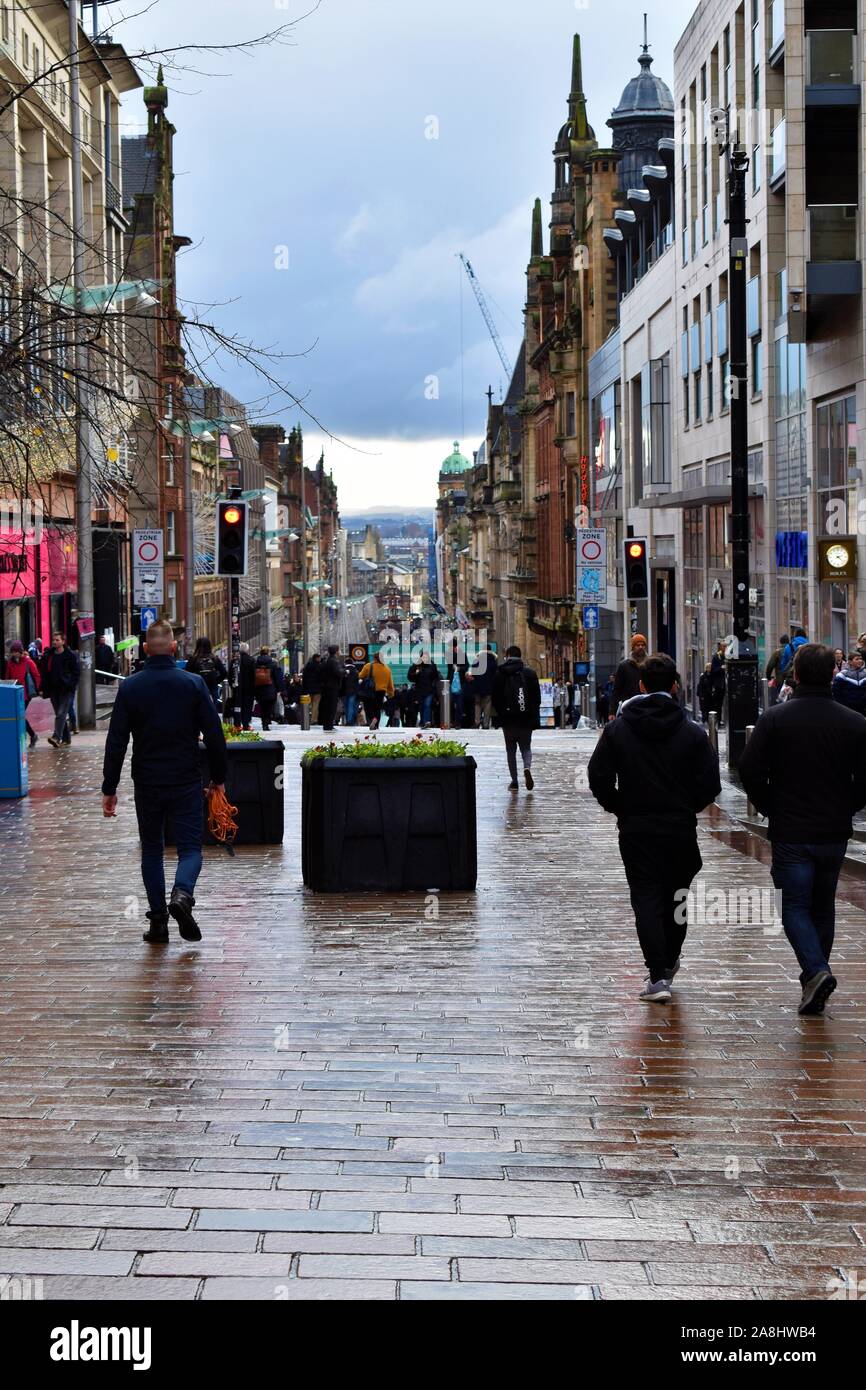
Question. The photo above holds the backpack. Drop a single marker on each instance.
(786, 660)
(514, 700)
(263, 677)
(207, 669)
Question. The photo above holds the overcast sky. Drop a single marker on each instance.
(317, 153)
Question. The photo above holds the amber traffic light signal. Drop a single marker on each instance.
(636, 569)
(231, 540)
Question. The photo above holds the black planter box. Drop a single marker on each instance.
(389, 824)
(254, 783)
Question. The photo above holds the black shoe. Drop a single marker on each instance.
(33, 740)
(530, 780)
(513, 787)
(180, 907)
(157, 932)
(816, 992)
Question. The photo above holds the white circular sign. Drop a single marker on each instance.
(148, 551)
(591, 550)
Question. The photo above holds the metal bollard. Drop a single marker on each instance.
(563, 707)
(584, 703)
(751, 812)
(713, 731)
(306, 712)
(226, 697)
(445, 704)
(765, 695)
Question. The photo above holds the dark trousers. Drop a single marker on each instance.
(807, 876)
(185, 807)
(328, 709)
(660, 870)
(61, 703)
(517, 736)
(266, 708)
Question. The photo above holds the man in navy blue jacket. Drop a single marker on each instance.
(165, 709)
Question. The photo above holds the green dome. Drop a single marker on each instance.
(456, 462)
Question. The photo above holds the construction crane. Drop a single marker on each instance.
(488, 317)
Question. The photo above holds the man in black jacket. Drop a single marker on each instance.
(165, 709)
(516, 700)
(60, 675)
(655, 770)
(805, 768)
(626, 680)
(333, 674)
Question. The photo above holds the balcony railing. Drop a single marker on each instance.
(833, 229)
(830, 57)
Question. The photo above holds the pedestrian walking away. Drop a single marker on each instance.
(377, 685)
(22, 669)
(805, 769)
(312, 685)
(60, 676)
(516, 700)
(479, 680)
(246, 684)
(626, 680)
(164, 709)
(333, 675)
(205, 663)
(424, 677)
(268, 681)
(655, 770)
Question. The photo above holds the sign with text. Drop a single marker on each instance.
(147, 569)
(592, 566)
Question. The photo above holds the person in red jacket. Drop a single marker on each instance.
(21, 669)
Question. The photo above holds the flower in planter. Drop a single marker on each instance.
(370, 747)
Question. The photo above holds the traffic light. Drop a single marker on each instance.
(231, 540)
(636, 569)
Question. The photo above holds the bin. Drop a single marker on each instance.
(14, 780)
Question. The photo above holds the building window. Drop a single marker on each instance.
(570, 414)
(710, 396)
(656, 421)
(171, 605)
(756, 169)
(5, 20)
(718, 543)
(724, 384)
(698, 397)
(25, 50)
(757, 366)
(170, 534)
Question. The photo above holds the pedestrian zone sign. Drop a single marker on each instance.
(592, 566)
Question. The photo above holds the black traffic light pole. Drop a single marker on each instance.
(235, 636)
(742, 665)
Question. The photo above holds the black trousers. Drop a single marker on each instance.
(328, 708)
(660, 870)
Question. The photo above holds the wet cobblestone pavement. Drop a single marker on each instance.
(359, 1098)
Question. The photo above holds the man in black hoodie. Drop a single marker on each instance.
(654, 770)
(805, 768)
(516, 700)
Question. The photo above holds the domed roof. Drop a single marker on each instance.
(645, 97)
(456, 462)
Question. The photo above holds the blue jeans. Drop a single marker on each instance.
(427, 709)
(185, 806)
(351, 710)
(807, 876)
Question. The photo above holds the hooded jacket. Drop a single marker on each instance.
(654, 769)
(849, 688)
(18, 667)
(531, 718)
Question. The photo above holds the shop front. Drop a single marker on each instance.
(38, 577)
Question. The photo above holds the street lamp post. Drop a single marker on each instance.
(86, 699)
(742, 664)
